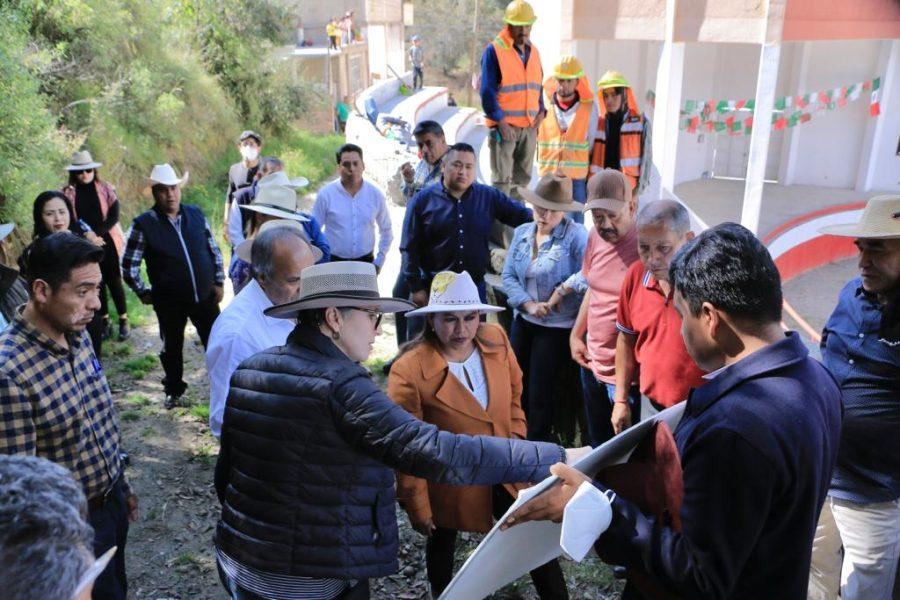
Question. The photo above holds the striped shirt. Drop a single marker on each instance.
(281, 587)
(55, 403)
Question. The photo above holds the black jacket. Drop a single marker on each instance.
(305, 475)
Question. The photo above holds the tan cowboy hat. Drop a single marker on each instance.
(553, 192)
(281, 178)
(278, 201)
(454, 292)
(244, 250)
(165, 175)
(82, 160)
(880, 220)
(339, 284)
(607, 189)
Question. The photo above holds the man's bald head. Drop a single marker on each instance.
(278, 255)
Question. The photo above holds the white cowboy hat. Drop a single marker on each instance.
(165, 175)
(281, 178)
(82, 160)
(338, 284)
(553, 192)
(277, 201)
(244, 250)
(454, 292)
(6, 229)
(880, 220)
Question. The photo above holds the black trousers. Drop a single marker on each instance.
(110, 525)
(542, 352)
(418, 78)
(401, 290)
(112, 280)
(95, 331)
(439, 549)
(370, 257)
(173, 317)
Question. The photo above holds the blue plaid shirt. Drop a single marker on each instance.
(55, 403)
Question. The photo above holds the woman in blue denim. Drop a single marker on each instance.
(542, 257)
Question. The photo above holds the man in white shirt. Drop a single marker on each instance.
(349, 208)
(278, 254)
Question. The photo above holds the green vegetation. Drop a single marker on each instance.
(130, 415)
(140, 366)
(139, 83)
(201, 411)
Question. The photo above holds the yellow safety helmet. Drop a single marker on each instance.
(568, 67)
(612, 79)
(519, 13)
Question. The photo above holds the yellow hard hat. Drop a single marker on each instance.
(568, 67)
(612, 79)
(519, 13)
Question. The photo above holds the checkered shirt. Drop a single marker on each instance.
(55, 403)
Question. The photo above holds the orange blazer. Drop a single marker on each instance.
(421, 382)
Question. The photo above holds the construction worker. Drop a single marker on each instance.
(567, 133)
(511, 97)
(622, 141)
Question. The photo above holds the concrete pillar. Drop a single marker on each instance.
(668, 105)
(787, 172)
(767, 79)
(877, 141)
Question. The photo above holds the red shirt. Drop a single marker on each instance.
(667, 370)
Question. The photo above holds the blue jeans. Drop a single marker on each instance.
(579, 194)
(598, 402)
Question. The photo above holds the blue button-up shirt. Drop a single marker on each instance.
(867, 369)
(558, 261)
(441, 233)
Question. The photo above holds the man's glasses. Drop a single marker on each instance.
(373, 313)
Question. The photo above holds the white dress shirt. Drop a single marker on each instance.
(349, 221)
(241, 331)
(471, 374)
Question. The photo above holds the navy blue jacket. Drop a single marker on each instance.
(171, 276)
(305, 472)
(441, 233)
(757, 444)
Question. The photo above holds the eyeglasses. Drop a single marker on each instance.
(79, 172)
(373, 313)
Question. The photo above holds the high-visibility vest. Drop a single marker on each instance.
(629, 146)
(566, 151)
(519, 94)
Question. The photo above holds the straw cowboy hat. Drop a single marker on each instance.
(608, 189)
(553, 192)
(278, 201)
(165, 175)
(454, 292)
(244, 249)
(880, 220)
(82, 161)
(338, 284)
(281, 178)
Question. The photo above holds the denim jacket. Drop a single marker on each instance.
(558, 261)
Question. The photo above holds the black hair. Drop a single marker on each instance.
(461, 147)
(40, 229)
(432, 127)
(347, 148)
(315, 317)
(54, 257)
(731, 269)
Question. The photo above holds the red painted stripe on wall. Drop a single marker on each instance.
(813, 254)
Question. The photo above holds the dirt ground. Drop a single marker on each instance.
(170, 551)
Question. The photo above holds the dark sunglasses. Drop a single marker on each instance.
(80, 171)
(378, 315)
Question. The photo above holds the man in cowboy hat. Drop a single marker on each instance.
(567, 133)
(511, 77)
(277, 254)
(861, 348)
(185, 268)
(13, 292)
(241, 173)
(622, 141)
(349, 209)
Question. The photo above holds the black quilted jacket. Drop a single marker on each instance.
(305, 475)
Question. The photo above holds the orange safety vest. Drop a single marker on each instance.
(630, 136)
(566, 151)
(520, 88)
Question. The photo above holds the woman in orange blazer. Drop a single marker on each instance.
(461, 375)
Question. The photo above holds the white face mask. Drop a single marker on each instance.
(249, 152)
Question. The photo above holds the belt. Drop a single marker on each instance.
(98, 502)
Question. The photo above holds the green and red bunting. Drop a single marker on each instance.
(790, 111)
